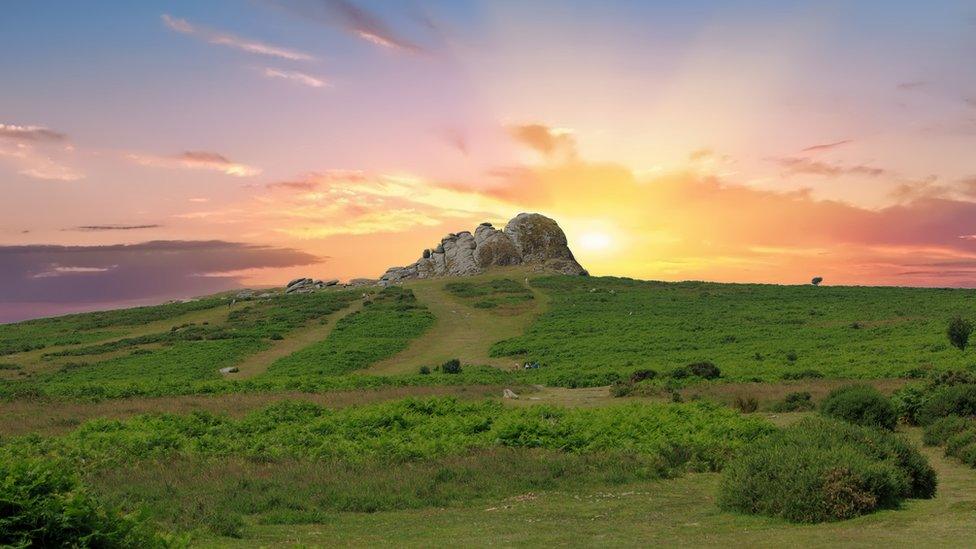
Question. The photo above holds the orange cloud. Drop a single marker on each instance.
(196, 160)
(545, 140)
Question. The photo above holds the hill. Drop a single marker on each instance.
(335, 416)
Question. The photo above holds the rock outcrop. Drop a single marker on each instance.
(306, 285)
(528, 239)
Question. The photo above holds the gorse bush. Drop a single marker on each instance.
(947, 400)
(43, 504)
(641, 375)
(704, 370)
(821, 470)
(452, 366)
(958, 332)
(800, 401)
(860, 405)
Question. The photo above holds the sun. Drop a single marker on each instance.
(595, 241)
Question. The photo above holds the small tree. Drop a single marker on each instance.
(959, 331)
(816, 280)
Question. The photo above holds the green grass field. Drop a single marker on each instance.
(331, 435)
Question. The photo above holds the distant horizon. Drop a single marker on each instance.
(159, 150)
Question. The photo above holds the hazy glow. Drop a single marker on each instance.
(727, 141)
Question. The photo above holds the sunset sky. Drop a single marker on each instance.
(151, 150)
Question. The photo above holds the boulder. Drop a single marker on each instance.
(229, 370)
(528, 239)
(508, 393)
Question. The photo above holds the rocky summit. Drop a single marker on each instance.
(528, 239)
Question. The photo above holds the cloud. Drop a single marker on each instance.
(30, 133)
(911, 85)
(72, 275)
(548, 141)
(826, 146)
(113, 227)
(296, 77)
(183, 26)
(196, 160)
(799, 165)
(352, 19)
(36, 152)
(700, 154)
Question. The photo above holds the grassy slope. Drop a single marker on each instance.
(463, 330)
(750, 331)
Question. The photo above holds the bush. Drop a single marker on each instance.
(949, 400)
(452, 366)
(908, 401)
(44, 505)
(958, 332)
(621, 388)
(860, 405)
(704, 370)
(940, 430)
(794, 402)
(641, 375)
(821, 470)
(425, 370)
(802, 374)
(746, 405)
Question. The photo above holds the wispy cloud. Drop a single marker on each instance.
(296, 77)
(183, 26)
(196, 160)
(113, 227)
(912, 85)
(35, 152)
(30, 133)
(827, 146)
(798, 165)
(353, 19)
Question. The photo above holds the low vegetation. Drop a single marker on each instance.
(598, 330)
(822, 470)
(44, 504)
(384, 326)
(499, 293)
(860, 405)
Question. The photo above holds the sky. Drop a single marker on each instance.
(156, 150)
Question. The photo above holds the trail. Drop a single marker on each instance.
(460, 331)
(295, 340)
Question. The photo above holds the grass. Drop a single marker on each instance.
(380, 330)
(679, 512)
(600, 326)
(501, 294)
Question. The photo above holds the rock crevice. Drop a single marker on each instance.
(528, 239)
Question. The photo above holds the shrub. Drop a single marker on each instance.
(44, 505)
(821, 469)
(940, 430)
(802, 374)
(425, 370)
(958, 332)
(621, 388)
(860, 405)
(641, 375)
(949, 400)
(680, 372)
(452, 366)
(908, 401)
(704, 370)
(794, 402)
(746, 405)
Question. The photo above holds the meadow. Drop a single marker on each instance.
(640, 410)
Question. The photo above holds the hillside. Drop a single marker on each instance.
(313, 407)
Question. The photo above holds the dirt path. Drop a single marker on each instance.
(297, 339)
(460, 331)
